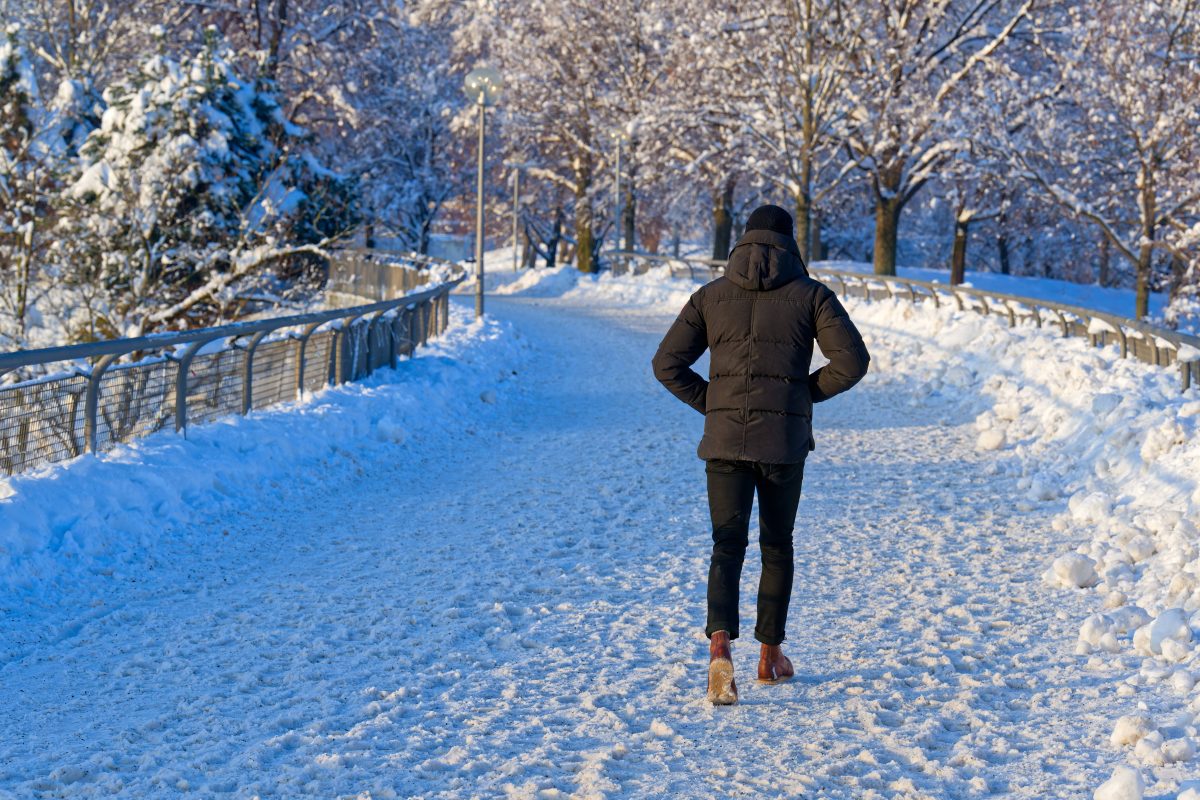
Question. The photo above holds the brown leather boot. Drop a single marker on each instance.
(773, 665)
(722, 691)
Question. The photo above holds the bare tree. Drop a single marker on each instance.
(1114, 135)
(907, 69)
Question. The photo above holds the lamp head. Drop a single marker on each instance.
(483, 85)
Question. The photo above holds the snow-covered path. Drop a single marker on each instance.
(516, 608)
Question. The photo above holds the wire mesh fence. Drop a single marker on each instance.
(41, 422)
(274, 379)
(124, 389)
(135, 400)
(318, 360)
(215, 385)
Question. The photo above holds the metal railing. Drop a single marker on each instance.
(1135, 339)
(111, 392)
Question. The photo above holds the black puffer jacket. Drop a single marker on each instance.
(760, 321)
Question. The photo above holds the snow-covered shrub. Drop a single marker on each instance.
(1184, 310)
(190, 186)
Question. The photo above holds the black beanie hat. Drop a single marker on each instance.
(770, 218)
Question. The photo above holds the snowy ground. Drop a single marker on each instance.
(502, 594)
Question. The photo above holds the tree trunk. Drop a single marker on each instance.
(722, 221)
(803, 223)
(675, 241)
(555, 239)
(958, 257)
(1179, 272)
(1002, 243)
(1149, 208)
(278, 28)
(423, 241)
(529, 255)
(817, 247)
(808, 132)
(629, 211)
(629, 217)
(1142, 302)
(887, 223)
(583, 236)
(1105, 277)
(72, 37)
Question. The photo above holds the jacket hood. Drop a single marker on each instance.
(763, 260)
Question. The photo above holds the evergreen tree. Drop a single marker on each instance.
(187, 187)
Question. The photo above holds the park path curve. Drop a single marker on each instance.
(514, 608)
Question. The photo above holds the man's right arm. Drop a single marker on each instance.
(684, 343)
(842, 344)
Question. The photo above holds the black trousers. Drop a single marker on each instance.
(731, 488)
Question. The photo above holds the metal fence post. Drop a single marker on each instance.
(248, 372)
(372, 333)
(91, 403)
(1062, 321)
(391, 338)
(397, 331)
(181, 383)
(410, 330)
(345, 372)
(302, 356)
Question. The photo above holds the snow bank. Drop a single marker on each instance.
(1114, 444)
(102, 515)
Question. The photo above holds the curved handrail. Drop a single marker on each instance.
(1162, 346)
(159, 341)
(37, 413)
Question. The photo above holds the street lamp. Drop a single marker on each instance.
(482, 85)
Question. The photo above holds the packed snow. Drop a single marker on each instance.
(484, 576)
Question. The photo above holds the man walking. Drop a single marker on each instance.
(759, 321)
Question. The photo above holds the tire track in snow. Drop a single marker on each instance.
(516, 609)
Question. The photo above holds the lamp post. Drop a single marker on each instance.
(620, 137)
(482, 85)
(516, 212)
